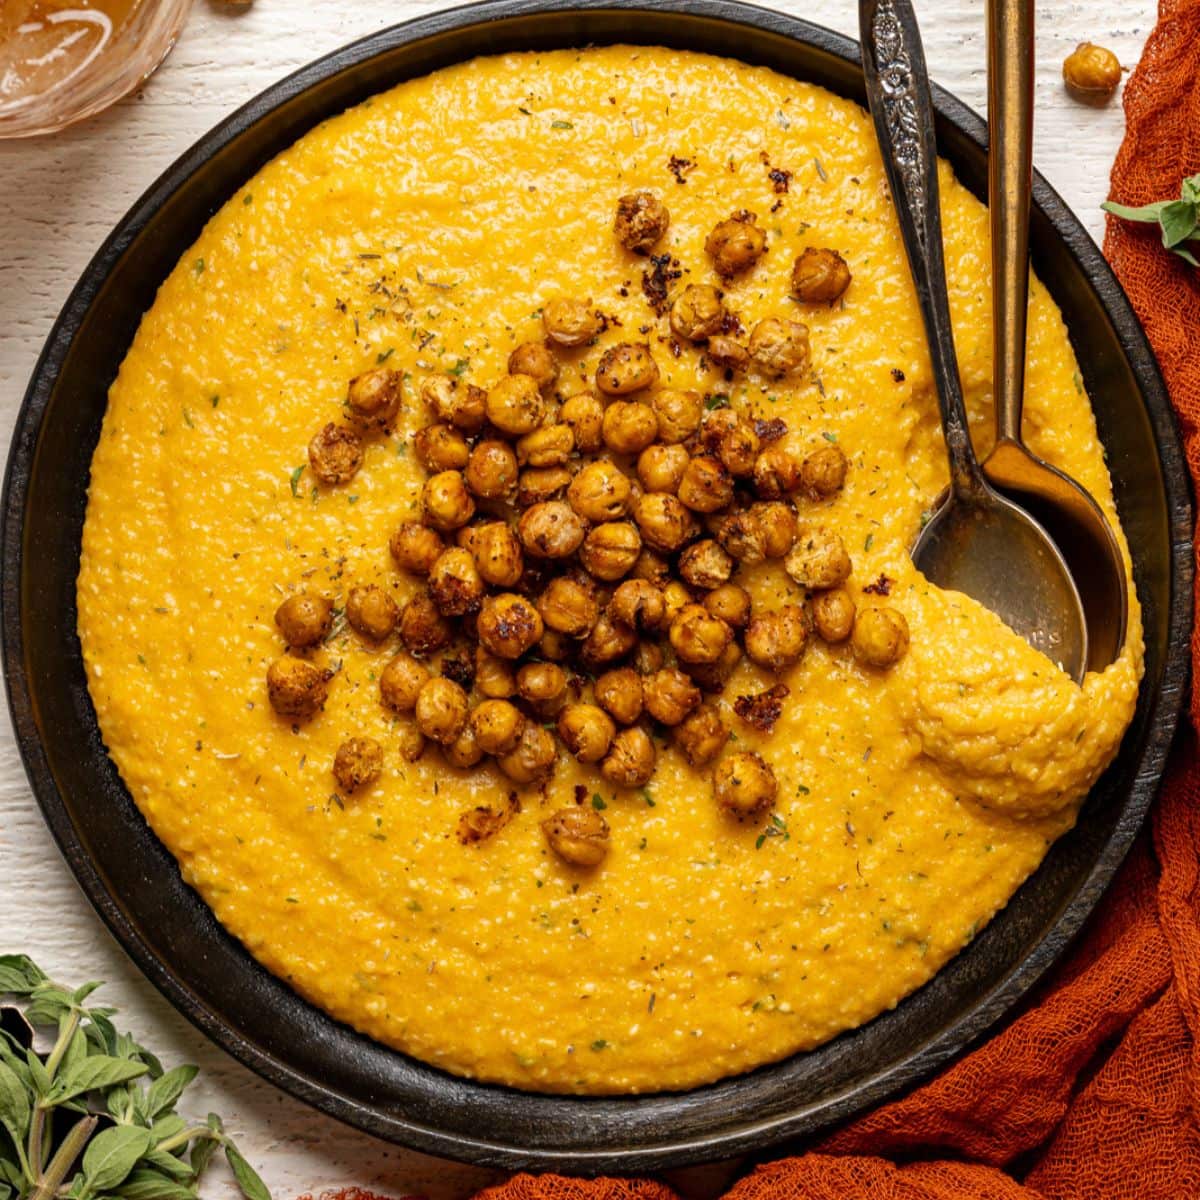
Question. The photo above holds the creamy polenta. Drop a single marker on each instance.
(426, 228)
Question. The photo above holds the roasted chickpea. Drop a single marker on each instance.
(731, 604)
(445, 501)
(675, 596)
(491, 471)
(820, 276)
(660, 468)
(401, 682)
(455, 584)
(423, 629)
(652, 567)
(779, 347)
(608, 641)
(465, 751)
(462, 405)
(697, 312)
(712, 677)
(441, 448)
(335, 454)
(570, 322)
(630, 760)
(551, 530)
(626, 367)
(638, 604)
(508, 625)
(706, 485)
(701, 736)
(736, 244)
(664, 522)
(823, 472)
(1091, 72)
(554, 646)
(641, 220)
(629, 426)
(620, 694)
(776, 474)
(727, 353)
(670, 695)
(777, 523)
(738, 450)
(497, 553)
(776, 640)
(441, 710)
(498, 726)
(569, 605)
(533, 359)
(648, 658)
(543, 686)
(515, 405)
(532, 759)
(578, 836)
(535, 485)
(744, 786)
(600, 492)
(717, 423)
(833, 615)
(410, 741)
(304, 619)
(371, 611)
(742, 536)
(494, 676)
(373, 397)
(697, 636)
(610, 551)
(819, 559)
(415, 547)
(586, 730)
(880, 637)
(584, 413)
(678, 414)
(549, 446)
(296, 688)
(705, 564)
(357, 763)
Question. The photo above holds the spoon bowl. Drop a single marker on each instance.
(1079, 529)
(979, 548)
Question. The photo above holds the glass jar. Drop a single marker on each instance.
(64, 60)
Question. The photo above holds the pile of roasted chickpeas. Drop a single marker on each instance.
(587, 547)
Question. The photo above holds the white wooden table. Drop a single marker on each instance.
(60, 197)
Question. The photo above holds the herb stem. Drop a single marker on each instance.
(185, 1135)
(49, 1183)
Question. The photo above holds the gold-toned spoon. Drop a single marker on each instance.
(977, 542)
(1068, 513)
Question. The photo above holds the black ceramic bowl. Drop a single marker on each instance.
(133, 881)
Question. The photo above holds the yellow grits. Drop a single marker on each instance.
(429, 225)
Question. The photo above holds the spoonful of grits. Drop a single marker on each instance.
(977, 541)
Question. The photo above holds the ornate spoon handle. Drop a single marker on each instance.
(900, 103)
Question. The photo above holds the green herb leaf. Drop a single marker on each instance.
(14, 1103)
(168, 1164)
(295, 479)
(165, 1091)
(150, 1185)
(112, 1154)
(202, 1151)
(1145, 212)
(598, 801)
(247, 1178)
(561, 125)
(96, 1072)
(18, 974)
(1178, 220)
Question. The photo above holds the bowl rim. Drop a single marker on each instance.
(756, 1133)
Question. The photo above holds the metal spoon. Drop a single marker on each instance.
(1068, 513)
(977, 542)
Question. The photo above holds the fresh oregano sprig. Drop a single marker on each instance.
(1179, 219)
(93, 1117)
